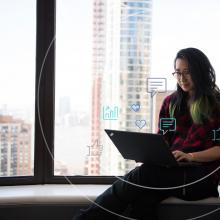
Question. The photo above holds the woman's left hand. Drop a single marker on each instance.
(181, 156)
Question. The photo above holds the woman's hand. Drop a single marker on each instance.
(181, 156)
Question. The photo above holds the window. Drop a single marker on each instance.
(100, 70)
(79, 128)
(76, 131)
(26, 76)
(17, 72)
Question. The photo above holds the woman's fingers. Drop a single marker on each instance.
(180, 156)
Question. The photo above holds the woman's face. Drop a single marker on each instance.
(183, 76)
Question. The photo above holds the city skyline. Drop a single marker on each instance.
(165, 43)
(170, 32)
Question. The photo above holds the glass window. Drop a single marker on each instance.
(102, 66)
(17, 71)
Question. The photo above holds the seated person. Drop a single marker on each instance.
(196, 107)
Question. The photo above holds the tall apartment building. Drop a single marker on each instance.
(92, 165)
(15, 147)
(121, 65)
(128, 54)
(135, 45)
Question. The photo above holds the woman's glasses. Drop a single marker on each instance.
(184, 74)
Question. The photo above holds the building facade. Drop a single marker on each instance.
(119, 83)
(15, 147)
(92, 161)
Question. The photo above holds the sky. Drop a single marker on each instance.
(179, 24)
(17, 52)
(175, 24)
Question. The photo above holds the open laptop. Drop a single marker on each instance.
(145, 148)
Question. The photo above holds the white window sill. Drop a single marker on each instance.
(50, 194)
(67, 194)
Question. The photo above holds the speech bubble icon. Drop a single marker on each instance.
(155, 85)
(167, 124)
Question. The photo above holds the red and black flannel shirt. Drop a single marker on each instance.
(189, 137)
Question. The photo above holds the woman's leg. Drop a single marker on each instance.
(146, 205)
(204, 188)
(144, 200)
(120, 194)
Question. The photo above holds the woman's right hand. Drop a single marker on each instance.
(181, 156)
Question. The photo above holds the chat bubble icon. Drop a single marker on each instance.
(155, 85)
(167, 124)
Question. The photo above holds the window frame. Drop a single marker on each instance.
(45, 107)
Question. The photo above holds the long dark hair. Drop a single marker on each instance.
(205, 99)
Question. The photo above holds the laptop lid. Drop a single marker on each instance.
(142, 147)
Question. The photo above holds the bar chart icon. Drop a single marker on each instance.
(110, 112)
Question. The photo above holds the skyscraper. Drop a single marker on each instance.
(128, 55)
(120, 81)
(92, 166)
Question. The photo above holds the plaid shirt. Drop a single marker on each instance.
(189, 137)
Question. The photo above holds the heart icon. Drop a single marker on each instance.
(140, 123)
(135, 107)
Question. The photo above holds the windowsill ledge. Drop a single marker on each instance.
(64, 194)
(50, 194)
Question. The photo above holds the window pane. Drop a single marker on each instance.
(106, 51)
(17, 71)
(98, 78)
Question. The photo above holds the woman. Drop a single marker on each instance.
(196, 107)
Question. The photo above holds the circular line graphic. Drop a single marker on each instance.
(137, 185)
(44, 138)
(169, 188)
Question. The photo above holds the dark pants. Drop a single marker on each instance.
(144, 201)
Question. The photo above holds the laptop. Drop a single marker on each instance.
(145, 148)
